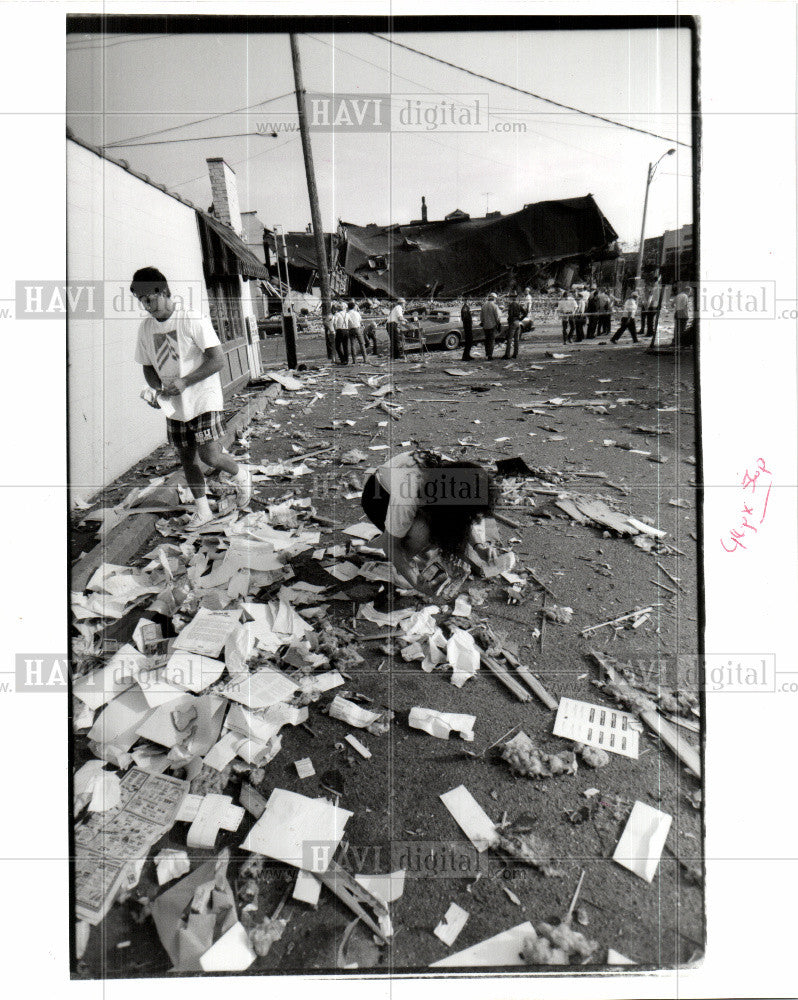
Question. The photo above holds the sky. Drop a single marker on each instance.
(121, 87)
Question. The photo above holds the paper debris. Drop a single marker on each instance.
(97, 688)
(304, 768)
(642, 840)
(470, 817)
(261, 689)
(192, 671)
(231, 953)
(300, 831)
(171, 864)
(463, 656)
(616, 958)
(527, 759)
(462, 607)
(307, 888)
(387, 888)
(596, 726)
(207, 632)
(347, 711)
(502, 949)
(355, 743)
(451, 925)
(442, 724)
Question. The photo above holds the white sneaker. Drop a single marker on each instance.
(197, 520)
(243, 490)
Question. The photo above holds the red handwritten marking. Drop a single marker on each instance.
(749, 482)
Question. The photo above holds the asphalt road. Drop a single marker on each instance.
(398, 818)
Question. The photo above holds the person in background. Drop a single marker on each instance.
(354, 323)
(421, 504)
(341, 333)
(592, 314)
(515, 313)
(182, 358)
(527, 303)
(628, 315)
(468, 332)
(566, 308)
(604, 303)
(681, 315)
(648, 311)
(370, 337)
(579, 316)
(490, 320)
(395, 326)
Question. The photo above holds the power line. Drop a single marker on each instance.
(528, 93)
(199, 121)
(237, 163)
(197, 138)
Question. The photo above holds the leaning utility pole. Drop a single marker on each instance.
(313, 196)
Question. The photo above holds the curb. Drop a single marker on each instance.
(125, 540)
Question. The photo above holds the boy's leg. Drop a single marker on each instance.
(181, 437)
(209, 447)
(191, 467)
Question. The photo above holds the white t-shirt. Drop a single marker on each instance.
(396, 315)
(630, 308)
(566, 307)
(401, 477)
(339, 320)
(353, 319)
(175, 348)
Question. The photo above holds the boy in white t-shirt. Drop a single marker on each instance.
(182, 358)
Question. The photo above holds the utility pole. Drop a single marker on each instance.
(313, 196)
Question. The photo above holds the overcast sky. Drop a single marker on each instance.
(120, 87)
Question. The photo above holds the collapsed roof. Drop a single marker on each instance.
(456, 256)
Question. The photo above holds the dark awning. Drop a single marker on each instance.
(224, 253)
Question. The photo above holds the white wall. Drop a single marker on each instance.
(117, 223)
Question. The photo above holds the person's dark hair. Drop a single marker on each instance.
(148, 281)
(453, 496)
(351, 304)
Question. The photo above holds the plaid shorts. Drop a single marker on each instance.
(202, 429)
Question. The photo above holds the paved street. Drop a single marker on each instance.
(395, 795)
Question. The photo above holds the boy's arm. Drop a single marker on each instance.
(213, 359)
(151, 377)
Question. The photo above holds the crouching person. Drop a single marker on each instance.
(182, 358)
(424, 507)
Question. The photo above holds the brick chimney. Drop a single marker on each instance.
(423, 209)
(225, 194)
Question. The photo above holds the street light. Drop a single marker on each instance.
(652, 168)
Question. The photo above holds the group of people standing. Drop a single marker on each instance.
(350, 334)
(519, 317)
(588, 315)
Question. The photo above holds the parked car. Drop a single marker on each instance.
(443, 327)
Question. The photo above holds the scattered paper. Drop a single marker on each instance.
(355, 743)
(300, 831)
(349, 712)
(463, 656)
(642, 840)
(470, 817)
(597, 726)
(207, 632)
(304, 768)
(387, 888)
(261, 689)
(307, 888)
(616, 958)
(192, 671)
(499, 950)
(451, 925)
(363, 529)
(171, 864)
(97, 688)
(442, 724)
(231, 953)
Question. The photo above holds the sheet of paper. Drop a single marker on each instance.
(453, 922)
(106, 792)
(261, 689)
(368, 612)
(298, 830)
(220, 755)
(642, 840)
(347, 711)
(192, 671)
(463, 655)
(159, 727)
(307, 888)
(616, 958)
(214, 812)
(597, 726)
(320, 682)
(98, 687)
(344, 571)
(304, 768)
(118, 721)
(502, 949)
(355, 743)
(207, 632)
(442, 724)
(363, 529)
(171, 864)
(470, 817)
(387, 888)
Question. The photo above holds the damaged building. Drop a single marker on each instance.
(546, 242)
